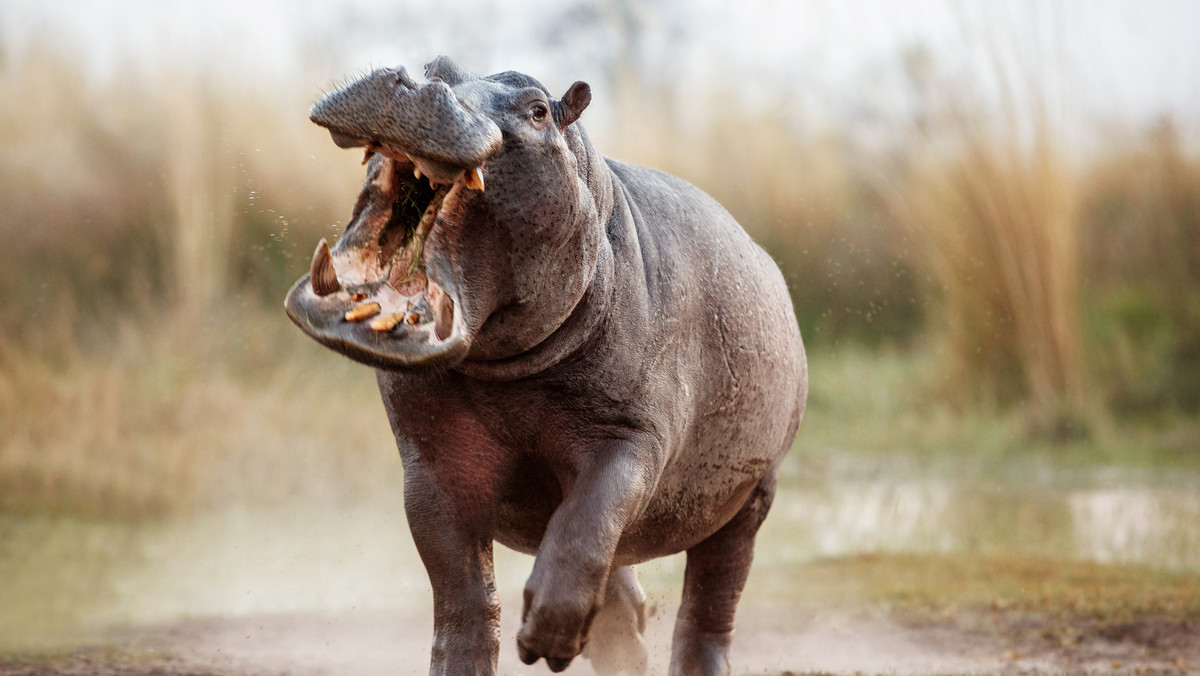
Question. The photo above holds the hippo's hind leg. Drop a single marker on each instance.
(716, 572)
(615, 643)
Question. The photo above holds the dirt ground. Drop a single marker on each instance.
(774, 643)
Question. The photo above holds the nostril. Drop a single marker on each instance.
(403, 79)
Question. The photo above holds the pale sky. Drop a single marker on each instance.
(1122, 59)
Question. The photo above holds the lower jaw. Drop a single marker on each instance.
(380, 340)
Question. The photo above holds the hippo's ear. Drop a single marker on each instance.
(571, 106)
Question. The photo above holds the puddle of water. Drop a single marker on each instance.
(60, 579)
(844, 518)
(1137, 517)
(1135, 525)
(64, 578)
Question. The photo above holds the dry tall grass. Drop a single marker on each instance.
(152, 224)
(1000, 233)
(988, 193)
(165, 420)
(805, 196)
(144, 365)
(168, 189)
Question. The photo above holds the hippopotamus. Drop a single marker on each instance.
(581, 359)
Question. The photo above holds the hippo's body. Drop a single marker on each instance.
(592, 363)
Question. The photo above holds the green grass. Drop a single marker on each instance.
(934, 585)
(896, 402)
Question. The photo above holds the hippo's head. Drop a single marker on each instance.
(474, 235)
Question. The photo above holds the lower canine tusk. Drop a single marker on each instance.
(322, 276)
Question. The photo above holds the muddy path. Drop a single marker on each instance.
(769, 642)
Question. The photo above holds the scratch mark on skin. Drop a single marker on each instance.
(735, 386)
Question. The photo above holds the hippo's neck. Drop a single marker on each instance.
(592, 307)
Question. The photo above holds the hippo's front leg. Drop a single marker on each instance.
(611, 487)
(454, 540)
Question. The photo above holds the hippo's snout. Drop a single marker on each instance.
(426, 120)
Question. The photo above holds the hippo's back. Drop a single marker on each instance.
(729, 338)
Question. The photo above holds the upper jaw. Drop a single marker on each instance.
(437, 172)
(427, 120)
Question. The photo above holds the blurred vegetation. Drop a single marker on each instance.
(1142, 271)
(152, 223)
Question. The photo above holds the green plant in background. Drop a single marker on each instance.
(1141, 215)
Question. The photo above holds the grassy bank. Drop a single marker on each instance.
(250, 411)
(929, 587)
(1069, 617)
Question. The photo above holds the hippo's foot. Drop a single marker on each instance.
(697, 652)
(712, 584)
(554, 626)
(572, 571)
(615, 643)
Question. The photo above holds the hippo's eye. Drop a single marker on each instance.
(538, 112)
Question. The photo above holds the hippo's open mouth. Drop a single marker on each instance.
(372, 297)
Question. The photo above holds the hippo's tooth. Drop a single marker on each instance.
(361, 312)
(443, 310)
(322, 276)
(386, 323)
(416, 172)
(367, 153)
(474, 179)
(383, 179)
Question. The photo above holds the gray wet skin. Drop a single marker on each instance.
(593, 364)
